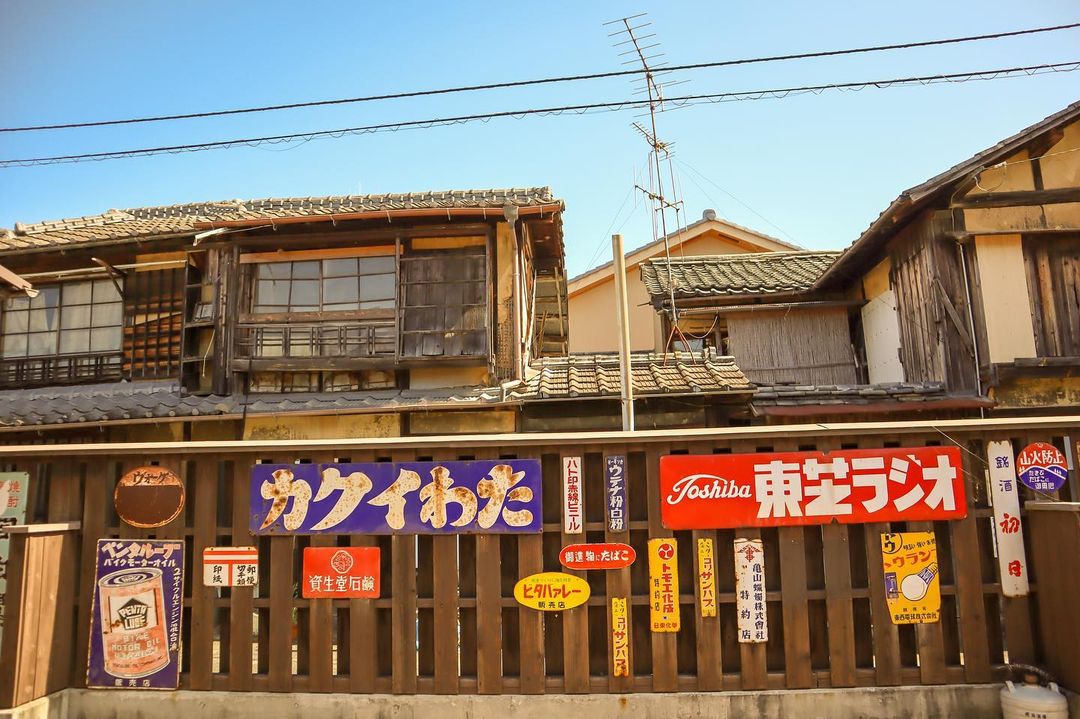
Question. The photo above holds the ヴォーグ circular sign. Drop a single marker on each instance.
(1041, 467)
(149, 497)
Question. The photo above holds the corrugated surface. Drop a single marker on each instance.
(732, 275)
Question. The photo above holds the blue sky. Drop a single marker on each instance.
(814, 169)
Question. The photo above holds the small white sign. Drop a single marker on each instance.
(13, 491)
(573, 496)
(753, 617)
(230, 567)
(1005, 497)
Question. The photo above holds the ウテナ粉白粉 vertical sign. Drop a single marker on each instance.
(615, 477)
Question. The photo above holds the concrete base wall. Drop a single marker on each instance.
(877, 703)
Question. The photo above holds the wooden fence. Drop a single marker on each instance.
(447, 621)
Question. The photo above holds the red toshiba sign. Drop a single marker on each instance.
(341, 573)
(796, 488)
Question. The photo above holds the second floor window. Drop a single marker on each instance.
(330, 285)
(67, 319)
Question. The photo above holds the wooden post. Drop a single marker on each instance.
(621, 312)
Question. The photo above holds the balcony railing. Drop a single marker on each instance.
(61, 369)
(369, 339)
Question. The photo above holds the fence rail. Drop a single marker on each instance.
(447, 621)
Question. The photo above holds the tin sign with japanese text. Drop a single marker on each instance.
(13, 491)
(136, 614)
(750, 603)
(664, 585)
(1042, 467)
(1005, 499)
(912, 581)
(484, 496)
(341, 573)
(620, 637)
(799, 488)
(149, 496)
(552, 591)
(615, 476)
(706, 577)
(609, 555)
(573, 496)
(230, 567)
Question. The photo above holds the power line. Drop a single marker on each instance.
(542, 81)
(682, 101)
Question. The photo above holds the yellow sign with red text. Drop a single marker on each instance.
(664, 585)
(912, 584)
(551, 591)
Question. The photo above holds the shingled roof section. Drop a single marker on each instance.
(170, 220)
(780, 399)
(597, 375)
(757, 273)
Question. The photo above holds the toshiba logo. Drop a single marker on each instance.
(705, 486)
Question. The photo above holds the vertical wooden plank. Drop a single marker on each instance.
(886, 635)
(280, 642)
(754, 668)
(15, 616)
(618, 580)
(710, 672)
(797, 668)
(489, 614)
(64, 505)
(575, 624)
(838, 605)
(44, 641)
(403, 615)
(241, 599)
(665, 668)
(530, 621)
(969, 598)
(202, 597)
(363, 631)
(929, 636)
(320, 633)
(445, 565)
(98, 490)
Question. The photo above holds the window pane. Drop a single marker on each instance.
(105, 339)
(377, 287)
(272, 292)
(305, 270)
(74, 341)
(47, 297)
(108, 315)
(41, 343)
(76, 293)
(339, 268)
(13, 346)
(274, 270)
(16, 321)
(105, 291)
(75, 317)
(43, 319)
(305, 295)
(21, 302)
(340, 291)
(375, 265)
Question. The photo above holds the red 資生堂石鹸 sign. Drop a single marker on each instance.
(341, 573)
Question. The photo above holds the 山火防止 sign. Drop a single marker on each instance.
(1042, 467)
(912, 585)
(795, 488)
(552, 591)
(341, 573)
(390, 498)
(136, 614)
(664, 585)
(13, 489)
(230, 567)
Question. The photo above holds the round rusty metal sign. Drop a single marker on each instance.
(149, 497)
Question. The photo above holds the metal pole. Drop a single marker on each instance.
(622, 315)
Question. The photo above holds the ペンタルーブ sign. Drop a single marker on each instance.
(797, 488)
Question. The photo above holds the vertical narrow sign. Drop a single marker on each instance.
(753, 619)
(706, 577)
(1005, 498)
(616, 492)
(620, 637)
(664, 585)
(13, 486)
(573, 499)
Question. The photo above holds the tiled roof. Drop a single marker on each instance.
(732, 275)
(182, 219)
(597, 375)
(773, 399)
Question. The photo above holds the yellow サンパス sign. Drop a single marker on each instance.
(912, 584)
(551, 591)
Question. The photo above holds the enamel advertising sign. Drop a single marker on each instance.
(798, 488)
(912, 584)
(136, 614)
(341, 573)
(485, 496)
(1042, 467)
(750, 602)
(13, 490)
(552, 591)
(664, 585)
(230, 567)
(613, 555)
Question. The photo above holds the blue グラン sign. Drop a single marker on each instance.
(475, 497)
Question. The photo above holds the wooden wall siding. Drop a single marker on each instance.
(444, 304)
(153, 323)
(803, 347)
(447, 621)
(1053, 276)
(936, 343)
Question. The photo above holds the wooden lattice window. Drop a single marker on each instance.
(73, 318)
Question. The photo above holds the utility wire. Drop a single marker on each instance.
(547, 111)
(543, 81)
